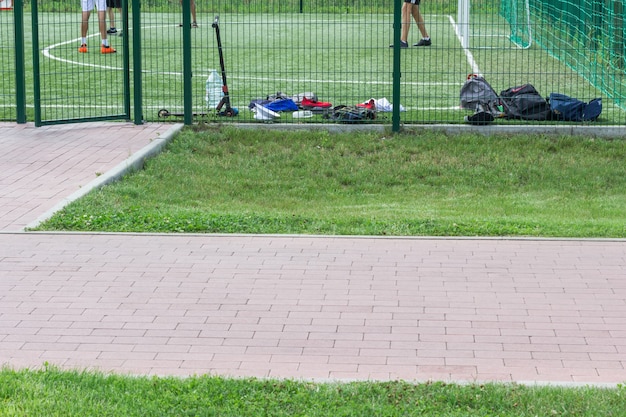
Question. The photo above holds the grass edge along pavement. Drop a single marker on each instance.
(53, 392)
(545, 173)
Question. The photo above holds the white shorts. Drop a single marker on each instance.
(88, 5)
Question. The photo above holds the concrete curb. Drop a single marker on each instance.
(494, 129)
(133, 163)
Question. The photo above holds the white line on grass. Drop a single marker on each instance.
(47, 52)
(468, 53)
(347, 81)
(180, 108)
(385, 18)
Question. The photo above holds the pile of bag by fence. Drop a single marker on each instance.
(307, 104)
(522, 103)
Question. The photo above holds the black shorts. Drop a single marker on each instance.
(117, 4)
(415, 2)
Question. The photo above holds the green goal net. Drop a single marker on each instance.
(517, 14)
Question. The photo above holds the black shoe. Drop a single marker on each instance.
(112, 31)
(403, 44)
(423, 42)
(479, 118)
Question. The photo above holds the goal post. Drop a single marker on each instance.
(503, 18)
(463, 22)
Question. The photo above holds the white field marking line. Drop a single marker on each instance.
(344, 81)
(180, 108)
(468, 53)
(46, 52)
(354, 18)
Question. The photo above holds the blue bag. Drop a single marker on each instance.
(285, 104)
(593, 109)
(574, 110)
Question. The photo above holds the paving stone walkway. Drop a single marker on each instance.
(323, 308)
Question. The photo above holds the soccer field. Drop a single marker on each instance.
(343, 58)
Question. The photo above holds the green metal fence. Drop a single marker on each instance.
(337, 49)
(8, 81)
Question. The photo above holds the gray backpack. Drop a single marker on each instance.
(478, 96)
(477, 91)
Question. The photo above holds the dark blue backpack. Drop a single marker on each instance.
(574, 110)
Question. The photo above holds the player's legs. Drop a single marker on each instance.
(417, 16)
(87, 6)
(84, 26)
(407, 6)
(192, 7)
(111, 13)
(102, 24)
(111, 5)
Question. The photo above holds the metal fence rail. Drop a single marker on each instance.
(8, 81)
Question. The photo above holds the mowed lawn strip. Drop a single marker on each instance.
(52, 392)
(228, 180)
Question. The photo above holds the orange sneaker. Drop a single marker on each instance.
(83, 48)
(107, 50)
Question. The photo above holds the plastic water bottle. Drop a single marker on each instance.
(213, 89)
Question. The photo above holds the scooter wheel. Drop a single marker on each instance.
(164, 113)
(231, 112)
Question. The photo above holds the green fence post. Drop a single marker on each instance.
(397, 29)
(137, 78)
(20, 78)
(618, 33)
(126, 58)
(187, 91)
(36, 71)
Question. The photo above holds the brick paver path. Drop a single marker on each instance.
(307, 307)
(39, 167)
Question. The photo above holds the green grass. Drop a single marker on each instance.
(257, 181)
(50, 392)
